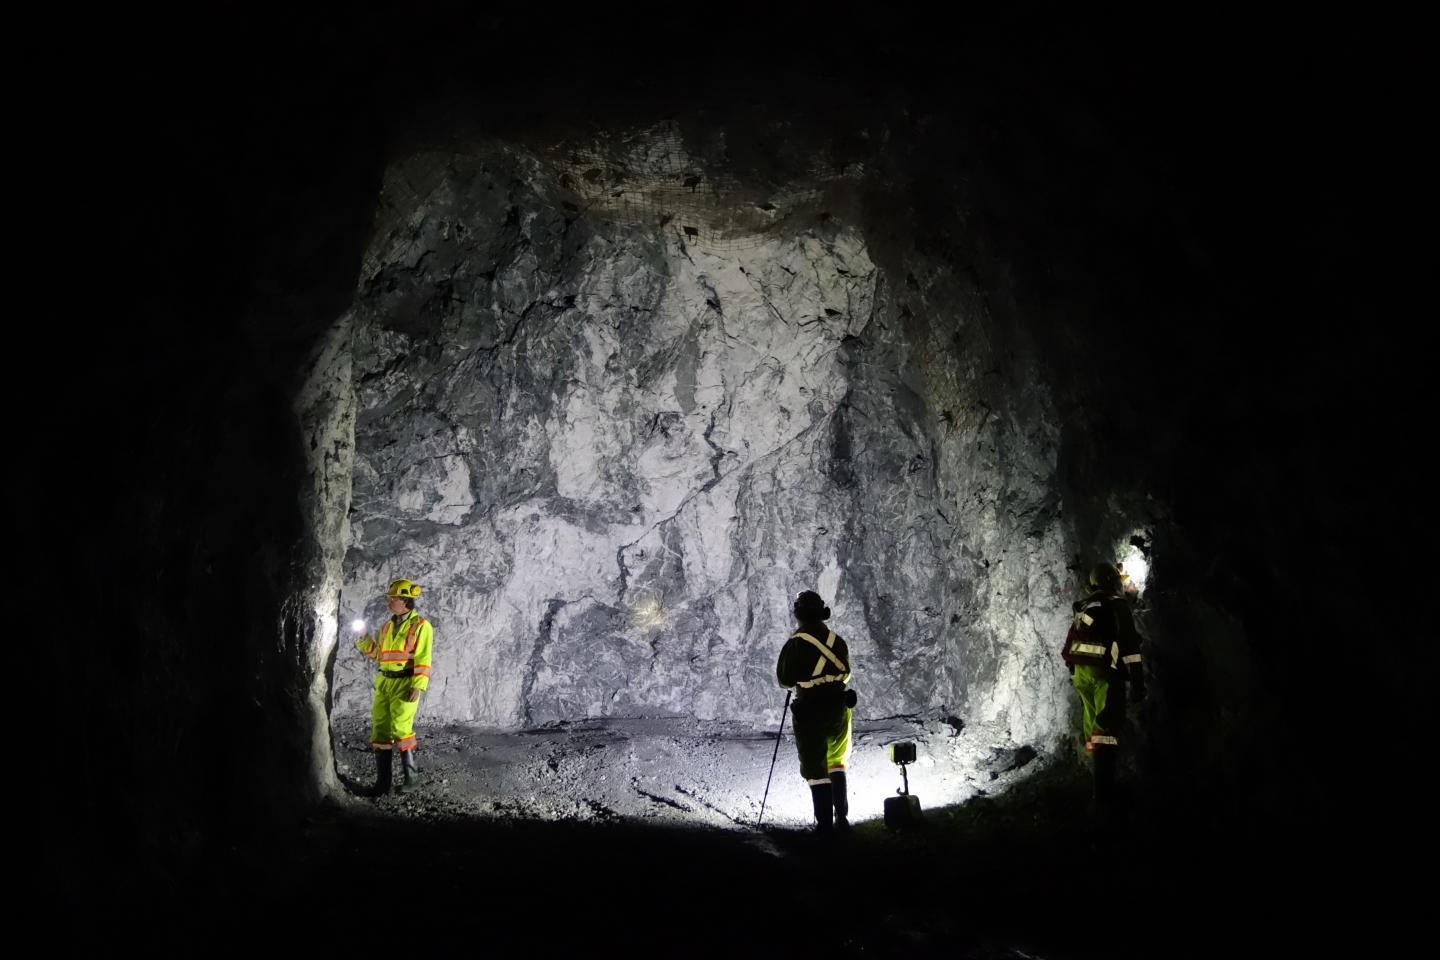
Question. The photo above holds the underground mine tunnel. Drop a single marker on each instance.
(613, 364)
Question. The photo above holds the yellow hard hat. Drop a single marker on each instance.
(404, 589)
(1106, 576)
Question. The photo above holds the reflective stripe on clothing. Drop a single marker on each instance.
(1133, 658)
(822, 741)
(1078, 647)
(1100, 740)
(392, 717)
(408, 645)
(1101, 715)
(806, 662)
(403, 652)
(816, 783)
(826, 653)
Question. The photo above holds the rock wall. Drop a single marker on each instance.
(616, 407)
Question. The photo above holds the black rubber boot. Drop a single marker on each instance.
(822, 797)
(384, 761)
(410, 769)
(841, 800)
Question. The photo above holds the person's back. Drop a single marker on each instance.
(816, 662)
(799, 663)
(1102, 650)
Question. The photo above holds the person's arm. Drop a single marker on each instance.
(368, 645)
(784, 667)
(1132, 661)
(424, 643)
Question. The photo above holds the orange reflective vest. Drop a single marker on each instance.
(402, 650)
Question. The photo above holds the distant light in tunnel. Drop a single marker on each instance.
(358, 626)
(1135, 567)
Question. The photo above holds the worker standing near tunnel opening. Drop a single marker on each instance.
(816, 661)
(402, 651)
(1102, 650)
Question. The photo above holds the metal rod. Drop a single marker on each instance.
(778, 735)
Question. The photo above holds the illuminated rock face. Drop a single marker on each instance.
(612, 441)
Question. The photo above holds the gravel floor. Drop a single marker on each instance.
(677, 771)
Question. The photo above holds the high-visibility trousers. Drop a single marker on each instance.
(392, 718)
(822, 738)
(1102, 705)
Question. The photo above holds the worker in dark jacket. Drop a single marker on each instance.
(816, 661)
(1102, 650)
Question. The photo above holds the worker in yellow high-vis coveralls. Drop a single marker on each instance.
(402, 652)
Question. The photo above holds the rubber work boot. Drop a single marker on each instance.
(820, 794)
(842, 801)
(410, 769)
(384, 760)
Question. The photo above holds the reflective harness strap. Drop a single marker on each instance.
(1098, 650)
(826, 654)
(1083, 619)
(410, 636)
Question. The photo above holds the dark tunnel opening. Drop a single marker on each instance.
(1041, 294)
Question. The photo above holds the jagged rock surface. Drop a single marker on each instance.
(612, 442)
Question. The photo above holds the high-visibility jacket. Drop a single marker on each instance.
(402, 649)
(816, 660)
(1102, 634)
